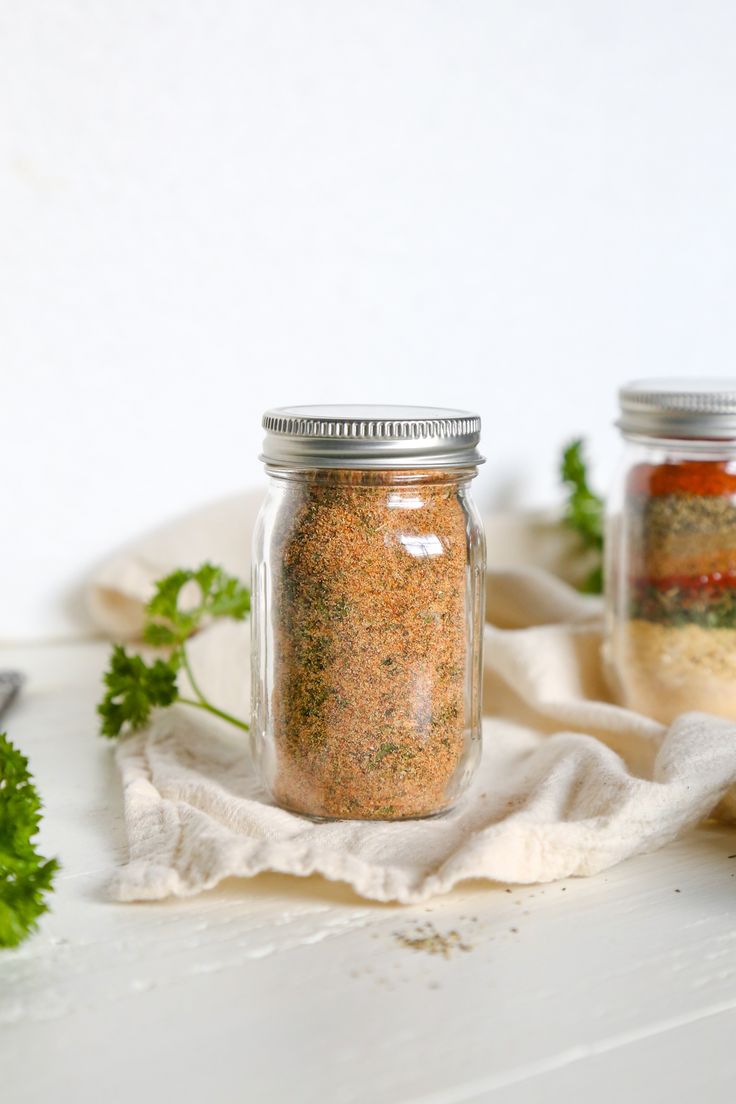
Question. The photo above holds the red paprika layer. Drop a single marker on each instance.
(696, 477)
(715, 580)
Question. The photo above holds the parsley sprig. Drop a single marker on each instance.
(25, 875)
(136, 687)
(584, 512)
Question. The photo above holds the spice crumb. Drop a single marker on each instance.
(426, 938)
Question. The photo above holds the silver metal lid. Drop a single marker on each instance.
(679, 408)
(378, 437)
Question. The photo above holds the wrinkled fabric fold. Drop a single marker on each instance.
(570, 783)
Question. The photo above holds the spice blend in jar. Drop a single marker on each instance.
(370, 583)
(672, 620)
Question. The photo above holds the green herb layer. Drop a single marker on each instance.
(711, 607)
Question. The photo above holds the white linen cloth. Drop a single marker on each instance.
(569, 782)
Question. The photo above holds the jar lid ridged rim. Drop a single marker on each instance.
(366, 436)
(679, 408)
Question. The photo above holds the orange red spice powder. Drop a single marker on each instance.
(371, 656)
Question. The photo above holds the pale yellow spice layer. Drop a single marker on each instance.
(370, 660)
(665, 670)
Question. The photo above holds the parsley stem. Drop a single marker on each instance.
(204, 704)
(190, 673)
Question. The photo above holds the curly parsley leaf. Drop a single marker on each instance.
(183, 602)
(171, 621)
(25, 875)
(584, 512)
(134, 689)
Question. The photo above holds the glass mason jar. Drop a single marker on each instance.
(368, 572)
(671, 550)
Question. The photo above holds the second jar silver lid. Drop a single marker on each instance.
(679, 408)
(373, 437)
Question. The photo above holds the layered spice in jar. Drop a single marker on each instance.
(368, 575)
(672, 556)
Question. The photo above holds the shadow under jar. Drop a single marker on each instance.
(671, 550)
(369, 563)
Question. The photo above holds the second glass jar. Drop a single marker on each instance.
(671, 550)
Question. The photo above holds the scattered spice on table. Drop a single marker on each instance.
(426, 938)
(370, 658)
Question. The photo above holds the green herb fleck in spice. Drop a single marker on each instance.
(383, 751)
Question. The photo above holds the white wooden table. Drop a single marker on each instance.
(617, 987)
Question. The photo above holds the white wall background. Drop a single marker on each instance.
(208, 207)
